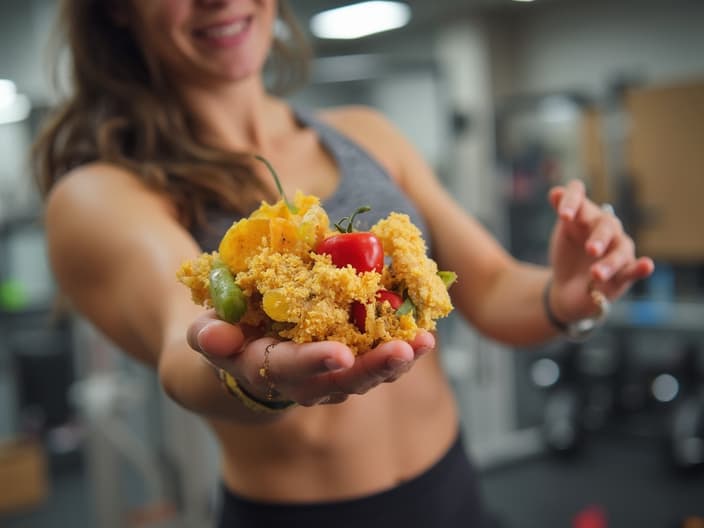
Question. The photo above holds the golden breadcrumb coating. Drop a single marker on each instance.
(412, 269)
(297, 294)
(195, 274)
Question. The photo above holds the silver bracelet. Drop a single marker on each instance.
(581, 329)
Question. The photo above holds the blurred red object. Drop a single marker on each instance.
(591, 517)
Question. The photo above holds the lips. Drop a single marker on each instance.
(224, 33)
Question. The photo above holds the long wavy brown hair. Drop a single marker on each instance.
(120, 110)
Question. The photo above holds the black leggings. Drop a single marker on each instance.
(445, 496)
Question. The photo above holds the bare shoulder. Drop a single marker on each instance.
(354, 115)
(103, 194)
(370, 129)
(96, 213)
(99, 186)
(363, 123)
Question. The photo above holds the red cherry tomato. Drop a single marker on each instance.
(358, 315)
(358, 312)
(361, 250)
(394, 299)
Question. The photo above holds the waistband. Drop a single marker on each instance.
(444, 495)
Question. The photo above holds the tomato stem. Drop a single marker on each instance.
(350, 220)
(290, 206)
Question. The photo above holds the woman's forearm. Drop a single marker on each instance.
(512, 310)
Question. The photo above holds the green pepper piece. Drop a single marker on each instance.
(228, 299)
(406, 308)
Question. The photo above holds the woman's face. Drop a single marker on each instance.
(198, 40)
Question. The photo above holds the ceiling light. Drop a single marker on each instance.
(13, 106)
(8, 92)
(523, 0)
(359, 20)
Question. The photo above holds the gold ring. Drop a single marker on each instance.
(264, 372)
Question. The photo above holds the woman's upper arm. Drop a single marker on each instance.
(114, 248)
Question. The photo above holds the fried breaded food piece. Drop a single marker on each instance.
(411, 270)
(294, 293)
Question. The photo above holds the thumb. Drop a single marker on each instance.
(555, 196)
(209, 335)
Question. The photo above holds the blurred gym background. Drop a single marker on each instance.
(504, 99)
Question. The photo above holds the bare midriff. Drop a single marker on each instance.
(365, 445)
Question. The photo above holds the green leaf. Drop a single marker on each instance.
(406, 308)
(447, 277)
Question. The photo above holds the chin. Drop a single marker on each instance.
(242, 69)
(239, 73)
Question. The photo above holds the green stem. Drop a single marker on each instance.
(350, 220)
(290, 206)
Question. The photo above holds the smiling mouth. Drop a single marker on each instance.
(225, 30)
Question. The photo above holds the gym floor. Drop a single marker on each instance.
(623, 479)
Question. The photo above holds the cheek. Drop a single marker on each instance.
(268, 18)
(165, 18)
(163, 26)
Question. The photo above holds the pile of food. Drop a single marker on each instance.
(284, 270)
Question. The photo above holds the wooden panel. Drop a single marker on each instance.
(666, 160)
(594, 157)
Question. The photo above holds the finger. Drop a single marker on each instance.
(291, 363)
(287, 368)
(620, 255)
(644, 268)
(555, 195)
(606, 229)
(210, 335)
(621, 281)
(590, 214)
(571, 200)
(387, 360)
(337, 397)
(422, 343)
(636, 270)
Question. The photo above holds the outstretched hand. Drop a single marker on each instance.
(310, 373)
(589, 249)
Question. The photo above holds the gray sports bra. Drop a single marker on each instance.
(363, 181)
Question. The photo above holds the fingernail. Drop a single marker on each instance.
(333, 364)
(396, 362)
(567, 212)
(199, 337)
(598, 247)
(604, 271)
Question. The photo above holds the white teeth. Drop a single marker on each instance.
(226, 31)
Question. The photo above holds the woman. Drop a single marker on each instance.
(151, 156)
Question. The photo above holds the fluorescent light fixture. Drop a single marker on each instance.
(8, 92)
(13, 106)
(359, 20)
(523, 0)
